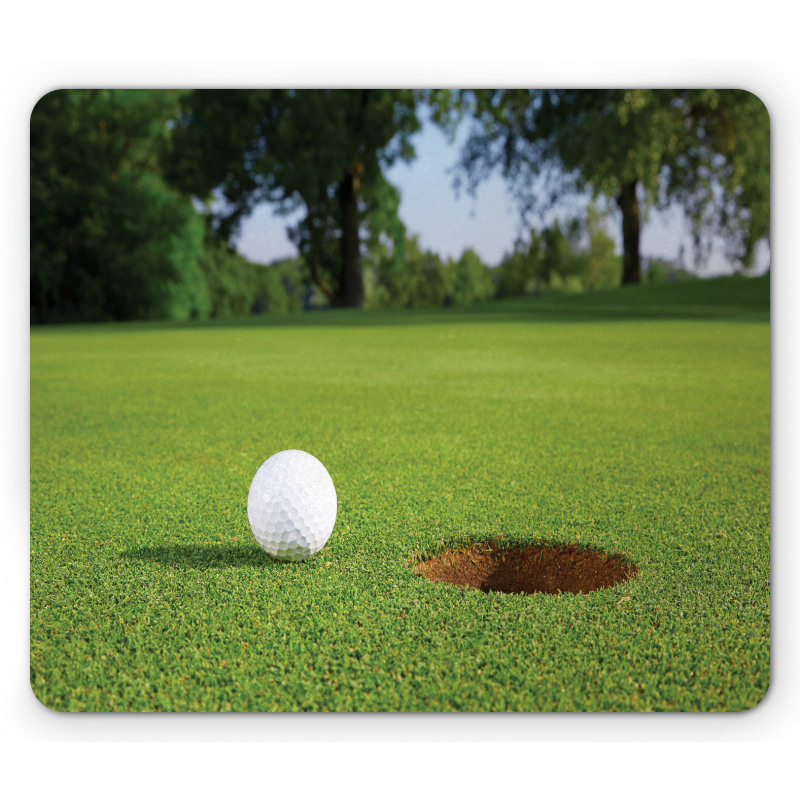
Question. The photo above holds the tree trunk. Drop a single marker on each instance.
(314, 255)
(351, 285)
(629, 205)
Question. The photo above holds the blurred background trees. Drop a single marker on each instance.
(569, 257)
(320, 150)
(707, 150)
(137, 195)
(109, 239)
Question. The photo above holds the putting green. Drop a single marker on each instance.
(634, 421)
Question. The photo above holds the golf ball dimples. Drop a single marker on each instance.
(292, 505)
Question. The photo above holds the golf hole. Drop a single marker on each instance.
(547, 568)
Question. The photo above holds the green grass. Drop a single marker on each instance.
(635, 420)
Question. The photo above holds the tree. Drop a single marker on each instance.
(321, 150)
(707, 150)
(471, 279)
(109, 240)
(560, 250)
(602, 264)
(419, 280)
(521, 271)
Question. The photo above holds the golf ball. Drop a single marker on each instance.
(292, 505)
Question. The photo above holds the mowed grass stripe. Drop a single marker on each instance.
(517, 421)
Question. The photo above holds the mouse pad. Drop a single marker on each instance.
(400, 400)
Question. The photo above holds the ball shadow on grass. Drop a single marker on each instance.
(200, 556)
(549, 568)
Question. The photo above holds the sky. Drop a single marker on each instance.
(448, 224)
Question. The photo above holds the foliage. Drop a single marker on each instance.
(560, 255)
(238, 287)
(662, 270)
(418, 281)
(109, 240)
(386, 244)
(564, 257)
(603, 266)
(707, 150)
(280, 287)
(230, 280)
(721, 173)
(321, 150)
(470, 280)
(423, 280)
(522, 271)
(655, 270)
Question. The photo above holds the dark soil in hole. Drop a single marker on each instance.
(549, 568)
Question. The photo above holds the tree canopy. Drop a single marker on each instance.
(321, 150)
(707, 150)
(109, 240)
(119, 178)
